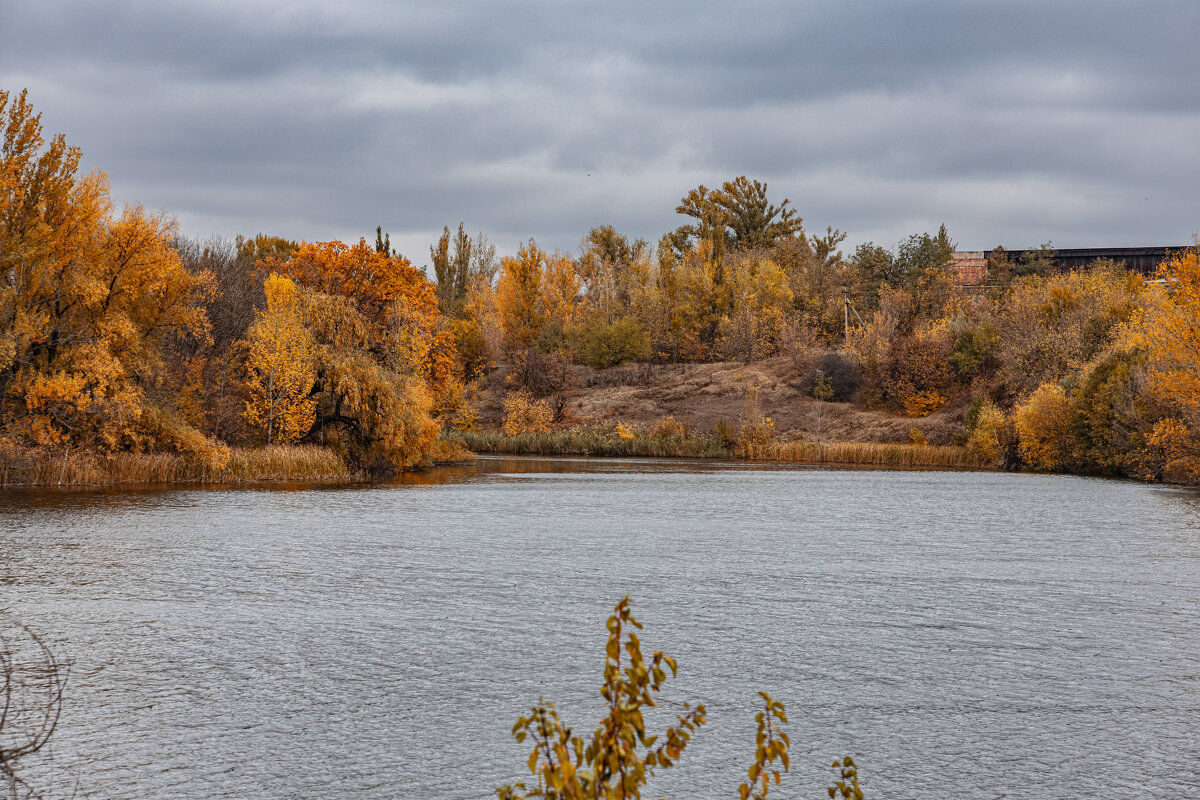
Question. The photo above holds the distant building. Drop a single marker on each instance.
(972, 265)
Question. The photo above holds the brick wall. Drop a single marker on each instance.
(971, 266)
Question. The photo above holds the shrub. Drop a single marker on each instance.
(974, 350)
(842, 374)
(756, 434)
(918, 366)
(669, 428)
(523, 414)
(922, 404)
(1045, 429)
(541, 374)
(619, 757)
(1171, 452)
(609, 344)
(725, 434)
(986, 432)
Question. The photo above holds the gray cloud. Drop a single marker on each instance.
(1012, 122)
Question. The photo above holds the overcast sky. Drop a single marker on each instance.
(1012, 122)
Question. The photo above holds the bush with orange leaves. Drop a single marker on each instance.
(523, 414)
(1046, 429)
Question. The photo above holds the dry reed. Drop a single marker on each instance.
(275, 462)
(877, 454)
(607, 442)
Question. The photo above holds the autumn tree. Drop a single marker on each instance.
(518, 293)
(562, 303)
(817, 271)
(87, 297)
(208, 374)
(1046, 428)
(1053, 326)
(371, 405)
(1169, 330)
(263, 247)
(919, 256)
(759, 300)
(383, 356)
(395, 297)
(611, 269)
(281, 366)
(1002, 268)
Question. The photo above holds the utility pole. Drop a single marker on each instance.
(848, 307)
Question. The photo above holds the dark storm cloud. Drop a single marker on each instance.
(1012, 122)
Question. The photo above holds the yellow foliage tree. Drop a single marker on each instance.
(1169, 329)
(561, 301)
(1045, 425)
(394, 297)
(760, 297)
(1052, 326)
(379, 417)
(87, 298)
(986, 438)
(281, 367)
(518, 293)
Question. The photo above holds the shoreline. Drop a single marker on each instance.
(605, 442)
(279, 466)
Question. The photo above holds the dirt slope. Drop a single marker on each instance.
(702, 394)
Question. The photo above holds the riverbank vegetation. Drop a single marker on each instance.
(128, 353)
(622, 440)
(128, 350)
(1093, 370)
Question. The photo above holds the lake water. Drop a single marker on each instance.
(1005, 635)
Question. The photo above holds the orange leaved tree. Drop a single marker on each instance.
(88, 298)
(1170, 332)
(382, 354)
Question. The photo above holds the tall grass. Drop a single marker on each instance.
(594, 442)
(606, 441)
(877, 454)
(275, 462)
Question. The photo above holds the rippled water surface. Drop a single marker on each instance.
(1011, 635)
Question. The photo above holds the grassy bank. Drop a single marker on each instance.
(593, 442)
(606, 441)
(276, 462)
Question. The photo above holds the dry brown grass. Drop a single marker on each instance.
(876, 454)
(276, 462)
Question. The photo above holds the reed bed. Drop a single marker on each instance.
(877, 454)
(272, 463)
(607, 442)
(282, 462)
(594, 442)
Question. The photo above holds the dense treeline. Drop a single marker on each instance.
(117, 335)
